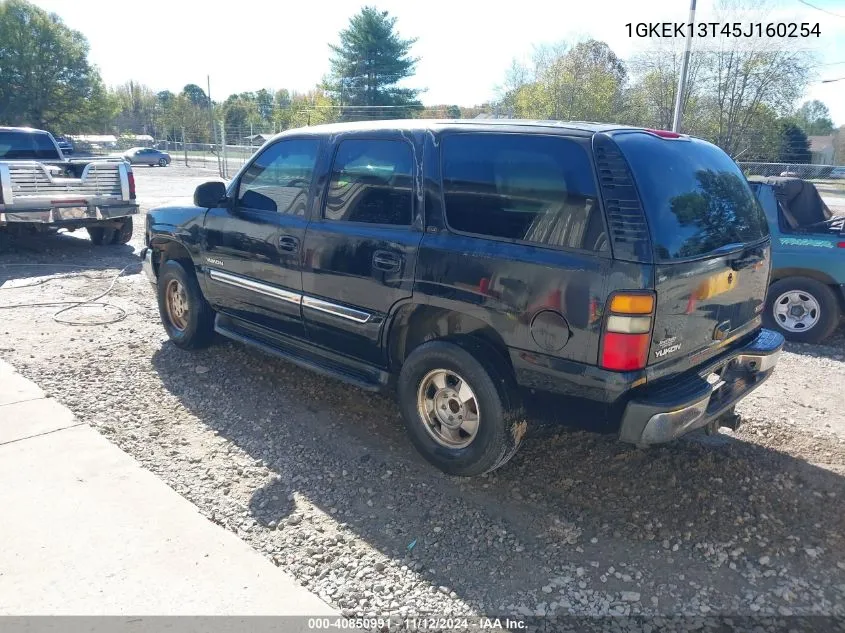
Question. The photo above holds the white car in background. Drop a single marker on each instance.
(837, 173)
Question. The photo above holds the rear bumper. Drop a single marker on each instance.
(67, 214)
(672, 408)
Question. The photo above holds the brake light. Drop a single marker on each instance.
(131, 178)
(627, 332)
(664, 133)
(840, 245)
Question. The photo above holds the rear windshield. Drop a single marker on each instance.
(696, 199)
(26, 146)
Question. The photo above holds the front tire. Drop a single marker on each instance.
(803, 310)
(187, 317)
(460, 409)
(162, 162)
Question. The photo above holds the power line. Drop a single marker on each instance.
(830, 81)
(838, 15)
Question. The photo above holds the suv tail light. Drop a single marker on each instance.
(626, 337)
(131, 177)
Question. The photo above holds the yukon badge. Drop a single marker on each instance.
(216, 262)
(667, 346)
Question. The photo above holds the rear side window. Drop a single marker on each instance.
(26, 146)
(528, 188)
(371, 182)
(279, 178)
(696, 198)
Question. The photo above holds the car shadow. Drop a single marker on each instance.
(47, 254)
(567, 504)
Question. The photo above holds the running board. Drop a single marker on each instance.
(359, 374)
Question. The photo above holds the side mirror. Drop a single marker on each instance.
(209, 194)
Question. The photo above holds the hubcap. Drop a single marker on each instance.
(796, 311)
(176, 301)
(448, 408)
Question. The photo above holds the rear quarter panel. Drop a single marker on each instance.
(817, 256)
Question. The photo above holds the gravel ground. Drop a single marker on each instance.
(319, 477)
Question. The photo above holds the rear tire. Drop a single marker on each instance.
(123, 234)
(97, 235)
(187, 317)
(500, 425)
(819, 309)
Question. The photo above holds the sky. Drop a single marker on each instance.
(464, 46)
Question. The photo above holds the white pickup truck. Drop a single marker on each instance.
(41, 190)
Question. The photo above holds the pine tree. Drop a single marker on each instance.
(368, 63)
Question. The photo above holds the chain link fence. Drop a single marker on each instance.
(806, 171)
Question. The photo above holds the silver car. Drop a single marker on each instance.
(147, 156)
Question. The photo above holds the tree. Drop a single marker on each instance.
(794, 144)
(184, 115)
(584, 82)
(814, 118)
(368, 64)
(46, 79)
(839, 146)
(196, 95)
(137, 108)
(650, 100)
(264, 101)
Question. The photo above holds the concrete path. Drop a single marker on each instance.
(85, 530)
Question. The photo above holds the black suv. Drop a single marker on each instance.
(482, 268)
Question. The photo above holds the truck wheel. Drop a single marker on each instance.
(460, 414)
(187, 317)
(123, 233)
(97, 234)
(802, 309)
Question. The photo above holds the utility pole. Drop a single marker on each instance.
(682, 79)
(184, 147)
(211, 120)
(224, 172)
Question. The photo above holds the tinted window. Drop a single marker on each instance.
(696, 199)
(279, 178)
(371, 182)
(26, 146)
(530, 188)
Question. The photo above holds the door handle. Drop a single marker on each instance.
(387, 261)
(288, 243)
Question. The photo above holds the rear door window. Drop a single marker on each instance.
(527, 188)
(696, 199)
(372, 182)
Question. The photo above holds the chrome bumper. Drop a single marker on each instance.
(69, 214)
(147, 264)
(674, 408)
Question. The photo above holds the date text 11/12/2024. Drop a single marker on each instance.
(671, 30)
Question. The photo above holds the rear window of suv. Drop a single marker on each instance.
(696, 199)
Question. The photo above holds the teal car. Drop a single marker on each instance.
(806, 296)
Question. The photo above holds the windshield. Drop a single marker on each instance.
(696, 199)
(27, 146)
